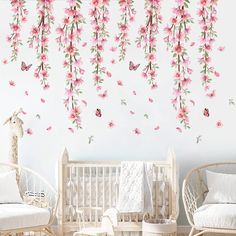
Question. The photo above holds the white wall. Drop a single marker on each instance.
(41, 150)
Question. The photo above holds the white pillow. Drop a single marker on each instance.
(9, 191)
(222, 188)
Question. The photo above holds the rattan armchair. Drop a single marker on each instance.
(34, 190)
(195, 190)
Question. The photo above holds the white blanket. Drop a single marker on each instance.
(135, 190)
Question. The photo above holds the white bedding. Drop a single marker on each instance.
(216, 216)
(14, 216)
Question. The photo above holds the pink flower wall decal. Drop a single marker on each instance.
(69, 40)
(147, 39)
(29, 131)
(39, 37)
(12, 83)
(111, 124)
(177, 36)
(219, 124)
(137, 131)
(208, 16)
(18, 18)
(127, 16)
(100, 18)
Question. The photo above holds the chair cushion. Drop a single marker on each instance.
(220, 188)
(9, 191)
(14, 216)
(216, 216)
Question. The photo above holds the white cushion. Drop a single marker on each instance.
(216, 216)
(221, 188)
(15, 216)
(9, 191)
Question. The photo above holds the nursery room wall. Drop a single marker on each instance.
(123, 117)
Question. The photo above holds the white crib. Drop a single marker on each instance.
(95, 184)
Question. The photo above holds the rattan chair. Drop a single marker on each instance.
(36, 191)
(195, 190)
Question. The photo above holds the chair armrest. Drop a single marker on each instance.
(190, 201)
(37, 191)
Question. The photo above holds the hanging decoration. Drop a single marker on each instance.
(176, 39)
(148, 39)
(69, 39)
(208, 16)
(39, 39)
(100, 18)
(127, 16)
(18, 18)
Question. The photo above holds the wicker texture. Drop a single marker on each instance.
(34, 190)
(194, 192)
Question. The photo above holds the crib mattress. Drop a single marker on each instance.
(216, 216)
(15, 216)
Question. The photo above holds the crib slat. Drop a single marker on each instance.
(97, 196)
(77, 187)
(117, 186)
(103, 189)
(110, 189)
(83, 187)
(70, 203)
(90, 204)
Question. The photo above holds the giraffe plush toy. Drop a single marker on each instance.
(16, 131)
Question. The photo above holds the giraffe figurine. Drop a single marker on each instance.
(16, 131)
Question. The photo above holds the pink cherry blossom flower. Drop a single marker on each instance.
(29, 131)
(71, 50)
(177, 36)
(137, 131)
(18, 19)
(151, 57)
(219, 124)
(217, 74)
(43, 57)
(147, 38)
(39, 39)
(12, 83)
(100, 17)
(207, 18)
(178, 49)
(111, 124)
(120, 82)
(108, 74)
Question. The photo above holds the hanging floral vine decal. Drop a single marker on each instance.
(69, 40)
(207, 13)
(127, 16)
(18, 18)
(39, 40)
(148, 37)
(100, 15)
(176, 39)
